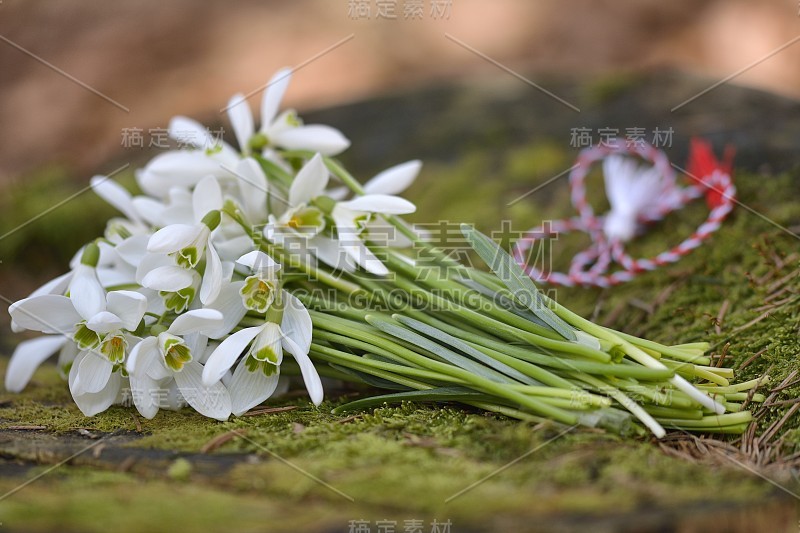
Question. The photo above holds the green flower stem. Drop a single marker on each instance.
(737, 387)
(358, 344)
(455, 292)
(634, 353)
(635, 409)
(666, 396)
(669, 351)
(575, 395)
(477, 382)
(692, 371)
(274, 171)
(508, 411)
(671, 412)
(278, 253)
(709, 422)
(496, 327)
(339, 357)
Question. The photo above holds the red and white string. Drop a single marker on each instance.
(635, 208)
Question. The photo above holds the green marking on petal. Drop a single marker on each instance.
(307, 219)
(85, 337)
(215, 149)
(188, 257)
(267, 345)
(176, 353)
(361, 221)
(269, 369)
(114, 347)
(178, 301)
(258, 293)
(254, 365)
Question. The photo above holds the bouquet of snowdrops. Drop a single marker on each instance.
(237, 267)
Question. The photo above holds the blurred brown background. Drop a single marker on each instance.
(161, 58)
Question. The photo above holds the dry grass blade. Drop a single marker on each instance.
(219, 440)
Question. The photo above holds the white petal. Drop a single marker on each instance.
(366, 259)
(104, 322)
(54, 286)
(273, 95)
(227, 353)
(310, 375)
(249, 389)
(195, 321)
(296, 323)
(213, 401)
(150, 262)
(141, 356)
(253, 188)
(66, 356)
(27, 357)
(94, 370)
(49, 313)
(116, 195)
(207, 196)
(145, 394)
(91, 404)
(331, 253)
(123, 274)
(232, 248)
(86, 293)
(129, 306)
(394, 180)
(258, 261)
(169, 278)
(310, 181)
(380, 203)
(229, 303)
(133, 249)
(338, 193)
(188, 131)
(173, 238)
(212, 277)
(149, 209)
(314, 137)
(241, 120)
(179, 168)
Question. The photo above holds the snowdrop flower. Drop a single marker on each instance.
(261, 349)
(94, 319)
(309, 210)
(188, 244)
(104, 391)
(259, 289)
(170, 355)
(280, 131)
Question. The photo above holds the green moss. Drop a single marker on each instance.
(47, 217)
(406, 461)
(608, 87)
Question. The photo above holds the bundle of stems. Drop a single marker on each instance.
(435, 330)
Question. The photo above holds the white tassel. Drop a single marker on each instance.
(630, 189)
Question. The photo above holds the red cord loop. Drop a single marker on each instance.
(707, 177)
